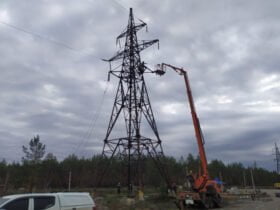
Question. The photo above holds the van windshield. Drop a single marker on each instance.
(2, 200)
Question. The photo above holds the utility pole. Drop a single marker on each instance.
(132, 100)
(222, 182)
(244, 179)
(253, 181)
(69, 180)
(277, 158)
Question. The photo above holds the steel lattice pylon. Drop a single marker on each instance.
(133, 101)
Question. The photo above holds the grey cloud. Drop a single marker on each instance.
(228, 47)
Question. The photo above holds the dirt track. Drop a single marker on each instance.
(111, 200)
(271, 202)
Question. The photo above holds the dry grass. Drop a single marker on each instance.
(153, 199)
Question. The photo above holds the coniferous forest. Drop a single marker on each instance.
(40, 172)
(52, 174)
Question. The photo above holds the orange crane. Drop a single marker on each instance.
(204, 190)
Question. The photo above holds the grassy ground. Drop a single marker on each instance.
(153, 199)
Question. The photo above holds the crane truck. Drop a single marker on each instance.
(203, 190)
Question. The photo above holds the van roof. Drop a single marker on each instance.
(78, 199)
(27, 195)
(65, 198)
(47, 194)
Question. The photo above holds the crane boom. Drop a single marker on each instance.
(204, 190)
(195, 119)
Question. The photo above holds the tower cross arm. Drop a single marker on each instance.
(145, 44)
(118, 55)
(135, 28)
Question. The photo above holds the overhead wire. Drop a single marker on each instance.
(43, 37)
(65, 46)
(58, 43)
(55, 42)
(120, 5)
(37, 35)
(124, 8)
(92, 126)
(93, 122)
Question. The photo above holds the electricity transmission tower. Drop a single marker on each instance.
(277, 158)
(132, 101)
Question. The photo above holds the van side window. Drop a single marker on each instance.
(19, 204)
(41, 203)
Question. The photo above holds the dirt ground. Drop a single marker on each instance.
(271, 202)
(110, 200)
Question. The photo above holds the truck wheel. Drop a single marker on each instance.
(207, 201)
(215, 197)
(218, 201)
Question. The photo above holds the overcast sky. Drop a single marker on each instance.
(54, 83)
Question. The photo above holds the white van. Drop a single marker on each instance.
(48, 201)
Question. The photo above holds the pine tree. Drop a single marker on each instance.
(35, 152)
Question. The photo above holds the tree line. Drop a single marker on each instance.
(39, 171)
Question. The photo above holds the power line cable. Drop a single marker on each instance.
(124, 8)
(120, 5)
(92, 129)
(93, 122)
(43, 37)
(55, 42)
(61, 44)
(38, 35)
(58, 43)
(64, 45)
(88, 134)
